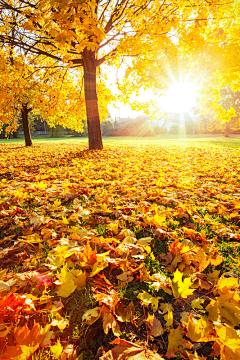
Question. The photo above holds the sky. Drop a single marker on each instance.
(180, 97)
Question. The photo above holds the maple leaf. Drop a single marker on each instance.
(195, 356)
(60, 322)
(70, 280)
(126, 277)
(196, 303)
(56, 349)
(168, 318)
(161, 281)
(69, 353)
(109, 322)
(228, 340)
(35, 336)
(4, 329)
(113, 227)
(176, 343)
(147, 300)
(167, 309)
(226, 308)
(98, 266)
(88, 257)
(56, 205)
(11, 306)
(4, 286)
(126, 350)
(225, 284)
(199, 330)
(181, 288)
(90, 316)
(29, 340)
(36, 220)
(13, 352)
(154, 325)
(125, 314)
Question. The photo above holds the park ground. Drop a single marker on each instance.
(128, 253)
(206, 140)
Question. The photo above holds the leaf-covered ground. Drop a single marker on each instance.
(127, 253)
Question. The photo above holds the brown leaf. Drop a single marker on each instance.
(109, 322)
(126, 350)
(69, 353)
(154, 325)
(125, 314)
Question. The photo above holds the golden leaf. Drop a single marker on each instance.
(56, 349)
(196, 303)
(147, 300)
(168, 318)
(181, 288)
(176, 343)
(200, 330)
(90, 316)
(60, 322)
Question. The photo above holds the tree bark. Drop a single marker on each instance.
(227, 130)
(26, 129)
(91, 100)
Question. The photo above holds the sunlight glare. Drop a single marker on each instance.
(180, 97)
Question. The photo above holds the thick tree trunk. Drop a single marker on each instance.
(227, 130)
(91, 100)
(26, 129)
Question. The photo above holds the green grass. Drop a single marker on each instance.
(202, 140)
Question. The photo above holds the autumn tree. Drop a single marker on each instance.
(25, 89)
(91, 33)
(27, 86)
(212, 57)
(231, 99)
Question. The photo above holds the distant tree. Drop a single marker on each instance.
(106, 126)
(177, 129)
(56, 131)
(160, 130)
(231, 99)
(140, 127)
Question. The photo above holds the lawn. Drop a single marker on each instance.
(204, 140)
(127, 253)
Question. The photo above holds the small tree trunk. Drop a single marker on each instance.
(26, 129)
(227, 130)
(91, 100)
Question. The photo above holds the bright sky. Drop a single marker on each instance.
(180, 97)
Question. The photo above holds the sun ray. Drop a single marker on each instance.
(180, 97)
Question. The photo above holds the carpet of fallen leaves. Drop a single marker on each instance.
(127, 253)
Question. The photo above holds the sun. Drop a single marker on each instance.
(180, 97)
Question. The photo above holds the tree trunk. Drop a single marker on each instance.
(26, 129)
(91, 100)
(227, 130)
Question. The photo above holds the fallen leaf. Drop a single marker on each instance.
(147, 300)
(69, 353)
(181, 288)
(200, 330)
(60, 322)
(154, 325)
(168, 318)
(176, 342)
(196, 303)
(90, 316)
